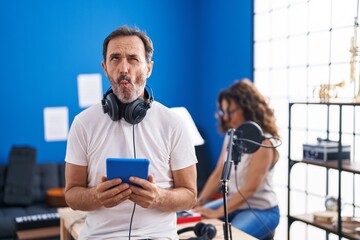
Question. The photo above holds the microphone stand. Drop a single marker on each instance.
(225, 179)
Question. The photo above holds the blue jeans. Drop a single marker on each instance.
(246, 221)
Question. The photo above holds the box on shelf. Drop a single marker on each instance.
(325, 151)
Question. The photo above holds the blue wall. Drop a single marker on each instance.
(200, 48)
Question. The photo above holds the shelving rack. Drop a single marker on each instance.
(339, 165)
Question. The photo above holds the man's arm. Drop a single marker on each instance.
(79, 196)
(181, 197)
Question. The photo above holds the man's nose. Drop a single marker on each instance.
(123, 67)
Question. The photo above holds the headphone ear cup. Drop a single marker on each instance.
(206, 231)
(135, 112)
(111, 106)
(198, 229)
(209, 231)
(202, 230)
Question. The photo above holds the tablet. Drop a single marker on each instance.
(124, 168)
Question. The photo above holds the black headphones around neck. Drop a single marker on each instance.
(133, 112)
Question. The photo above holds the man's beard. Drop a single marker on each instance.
(131, 91)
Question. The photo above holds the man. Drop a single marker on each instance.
(116, 209)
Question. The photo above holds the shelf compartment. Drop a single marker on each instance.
(344, 166)
(309, 219)
(352, 167)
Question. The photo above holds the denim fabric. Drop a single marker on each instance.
(246, 221)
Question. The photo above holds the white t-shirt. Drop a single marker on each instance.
(160, 137)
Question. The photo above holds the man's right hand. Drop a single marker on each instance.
(110, 193)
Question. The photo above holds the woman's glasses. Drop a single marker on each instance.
(221, 113)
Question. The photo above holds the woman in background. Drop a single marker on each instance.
(252, 203)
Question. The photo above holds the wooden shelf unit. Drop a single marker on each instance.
(339, 165)
(309, 219)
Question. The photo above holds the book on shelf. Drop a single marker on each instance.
(187, 216)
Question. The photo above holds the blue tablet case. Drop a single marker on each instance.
(124, 168)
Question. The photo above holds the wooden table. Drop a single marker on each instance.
(71, 223)
(236, 233)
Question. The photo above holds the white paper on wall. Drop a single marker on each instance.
(56, 123)
(89, 89)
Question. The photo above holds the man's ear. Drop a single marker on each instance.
(149, 68)
(103, 65)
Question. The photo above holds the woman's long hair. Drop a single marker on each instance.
(253, 103)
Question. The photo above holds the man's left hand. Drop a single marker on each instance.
(147, 195)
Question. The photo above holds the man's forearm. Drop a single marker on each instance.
(80, 198)
(176, 199)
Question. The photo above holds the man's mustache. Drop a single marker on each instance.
(122, 78)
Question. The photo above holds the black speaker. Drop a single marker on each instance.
(202, 231)
(133, 112)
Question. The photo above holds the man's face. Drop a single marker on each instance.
(126, 67)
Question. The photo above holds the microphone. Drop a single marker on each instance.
(248, 138)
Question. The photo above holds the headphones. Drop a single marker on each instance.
(133, 112)
(201, 230)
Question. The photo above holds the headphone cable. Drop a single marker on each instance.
(134, 147)
(134, 138)
(133, 211)
(248, 204)
(131, 220)
(260, 144)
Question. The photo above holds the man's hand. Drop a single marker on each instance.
(112, 192)
(148, 195)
